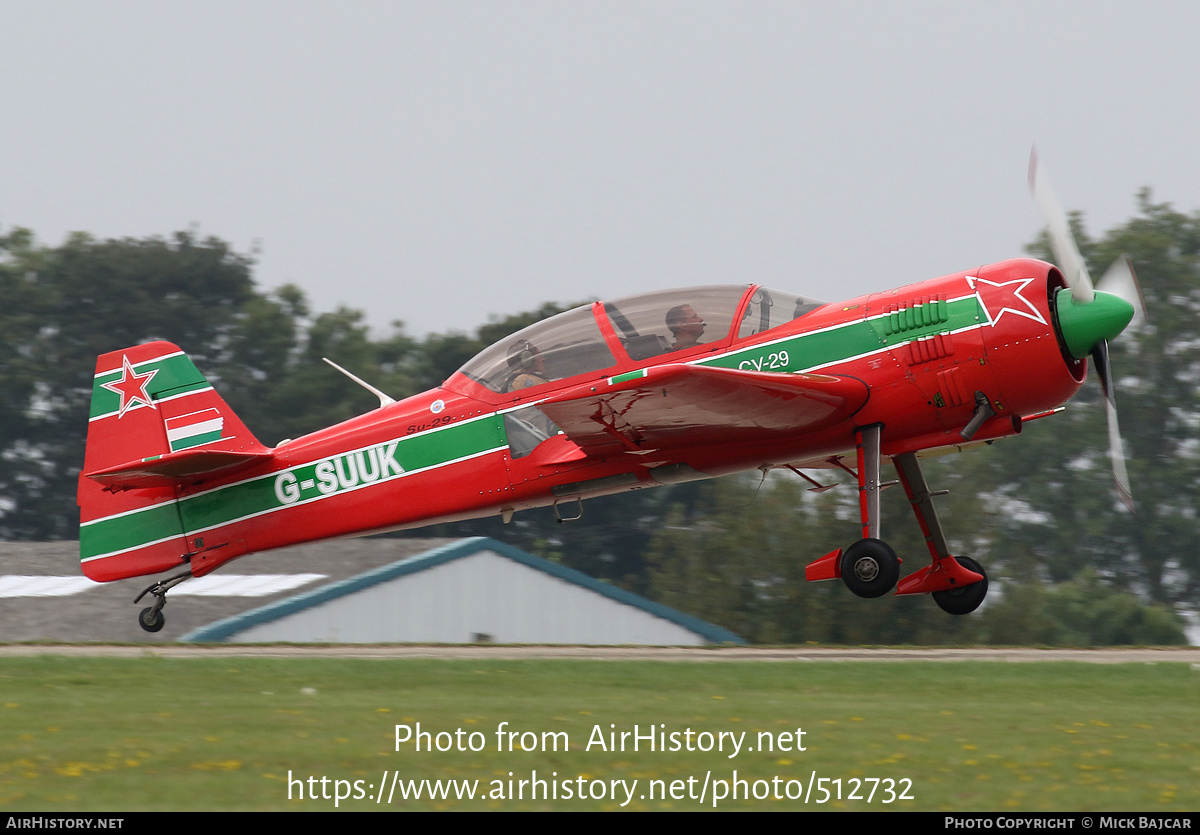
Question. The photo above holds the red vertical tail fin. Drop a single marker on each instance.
(155, 423)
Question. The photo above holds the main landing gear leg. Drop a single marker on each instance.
(151, 618)
(869, 567)
(868, 479)
(958, 584)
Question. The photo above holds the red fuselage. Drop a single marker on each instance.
(910, 359)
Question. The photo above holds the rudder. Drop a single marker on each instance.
(155, 422)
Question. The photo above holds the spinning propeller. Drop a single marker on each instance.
(1090, 315)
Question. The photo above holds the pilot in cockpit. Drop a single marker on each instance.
(526, 366)
(686, 326)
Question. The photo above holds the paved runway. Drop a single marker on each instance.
(1181, 655)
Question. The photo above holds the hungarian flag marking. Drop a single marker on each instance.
(194, 429)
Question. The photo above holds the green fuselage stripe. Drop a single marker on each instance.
(132, 530)
(323, 477)
(840, 343)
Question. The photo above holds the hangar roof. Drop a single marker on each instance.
(440, 556)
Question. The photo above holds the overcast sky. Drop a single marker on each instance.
(443, 162)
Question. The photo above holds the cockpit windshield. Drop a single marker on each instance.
(771, 308)
(684, 321)
(553, 349)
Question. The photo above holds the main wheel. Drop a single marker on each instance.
(965, 599)
(151, 620)
(870, 568)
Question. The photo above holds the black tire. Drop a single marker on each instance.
(870, 568)
(151, 620)
(964, 600)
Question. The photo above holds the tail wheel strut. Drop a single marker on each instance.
(151, 618)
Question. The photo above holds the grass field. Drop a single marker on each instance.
(180, 734)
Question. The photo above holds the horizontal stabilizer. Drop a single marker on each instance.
(185, 466)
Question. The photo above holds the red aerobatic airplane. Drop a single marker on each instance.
(659, 388)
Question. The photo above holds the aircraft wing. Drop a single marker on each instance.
(686, 405)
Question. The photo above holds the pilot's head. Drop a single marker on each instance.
(524, 356)
(685, 323)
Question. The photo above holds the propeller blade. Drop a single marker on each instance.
(1062, 243)
(1116, 450)
(1121, 280)
(1101, 320)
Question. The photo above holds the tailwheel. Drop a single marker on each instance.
(151, 619)
(966, 599)
(870, 568)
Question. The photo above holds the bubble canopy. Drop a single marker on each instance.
(634, 331)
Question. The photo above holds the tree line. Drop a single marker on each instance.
(1068, 566)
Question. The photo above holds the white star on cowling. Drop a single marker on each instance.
(1005, 298)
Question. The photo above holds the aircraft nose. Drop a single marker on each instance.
(1083, 324)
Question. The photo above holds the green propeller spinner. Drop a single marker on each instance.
(1083, 324)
